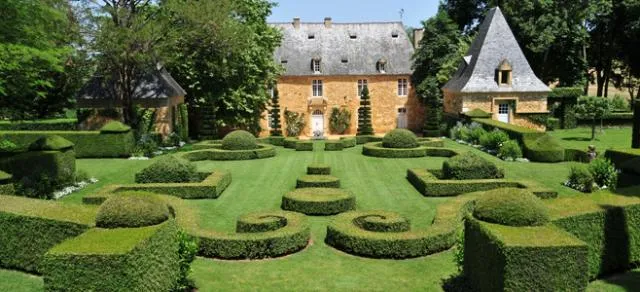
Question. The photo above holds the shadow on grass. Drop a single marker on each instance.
(581, 139)
(628, 281)
(456, 283)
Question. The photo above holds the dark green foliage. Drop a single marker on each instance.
(470, 166)
(132, 209)
(510, 149)
(348, 142)
(478, 113)
(494, 139)
(567, 97)
(5, 177)
(239, 140)
(632, 166)
(294, 122)
(40, 125)
(553, 124)
(604, 172)
(319, 169)
(114, 127)
(318, 181)
(7, 146)
(506, 258)
(55, 169)
(375, 149)
(53, 142)
(30, 227)
(400, 138)
(182, 122)
(304, 146)
(276, 140)
(364, 114)
(576, 155)
(187, 251)
(512, 207)
(147, 144)
(259, 235)
(566, 92)
(363, 139)
(581, 178)
(475, 134)
(593, 108)
(515, 132)
(620, 156)
(319, 201)
(543, 149)
(290, 142)
(122, 259)
(340, 120)
(87, 144)
(216, 153)
(276, 127)
(635, 131)
(168, 169)
(332, 145)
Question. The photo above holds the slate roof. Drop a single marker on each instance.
(494, 43)
(373, 42)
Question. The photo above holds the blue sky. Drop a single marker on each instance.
(415, 11)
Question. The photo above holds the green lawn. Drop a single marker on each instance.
(19, 282)
(259, 185)
(580, 138)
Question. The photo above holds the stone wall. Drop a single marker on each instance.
(341, 91)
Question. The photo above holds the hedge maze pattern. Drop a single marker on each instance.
(318, 193)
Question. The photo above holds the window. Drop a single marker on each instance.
(311, 36)
(284, 61)
(270, 121)
(317, 88)
(361, 85)
(381, 65)
(505, 76)
(503, 109)
(503, 73)
(345, 60)
(315, 65)
(394, 34)
(403, 87)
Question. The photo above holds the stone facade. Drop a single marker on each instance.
(342, 92)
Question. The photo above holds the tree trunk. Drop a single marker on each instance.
(635, 139)
(606, 84)
(593, 129)
(600, 82)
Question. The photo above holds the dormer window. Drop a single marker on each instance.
(345, 60)
(284, 61)
(311, 36)
(394, 34)
(315, 65)
(353, 36)
(381, 66)
(503, 73)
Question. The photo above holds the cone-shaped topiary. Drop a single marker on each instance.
(132, 209)
(115, 127)
(276, 127)
(400, 138)
(168, 169)
(52, 142)
(364, 114)
(239, 140)
(512, 207)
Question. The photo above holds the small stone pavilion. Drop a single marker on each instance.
(496, 78)
(156, 90)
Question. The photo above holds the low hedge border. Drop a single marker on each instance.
(514, 132)
(123, 259)
(348, 142)
(576, 155)
(331, 145)
(319, 169)
(210, 188)
(207, 144)
(304, 146)
(430, 185)
(40, 125)
(276, 140)
(88, 144)
(216, 153)
(619, 156)
(290, 142)
(375, 149)
(30, 227)
(318, 181)
(363, 139)
(6, 185)
(430, 142)
(319, 201)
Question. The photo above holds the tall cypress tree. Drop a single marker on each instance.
(276, 128)
(364, 114)
(635, 140)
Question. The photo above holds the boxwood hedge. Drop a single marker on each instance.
(430, 142)
(348, 142)
(619, 156)
(319, 201)
(40, 125)
(290, 142)
(87, 144)
(543, 149)
(470, 166)
(363, 139)
(377, 150)
(168, 169)
(318, 181)
(331, 145)
(304, 146)
(217, 153)
(123, 259)
(319, 169)
(58, 166)
(132, 209)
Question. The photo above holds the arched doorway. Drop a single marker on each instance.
(317, 123)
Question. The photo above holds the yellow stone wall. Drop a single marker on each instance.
(341, 91)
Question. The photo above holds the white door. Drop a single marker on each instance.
(317, 124)
(402, 118)
(503, 112)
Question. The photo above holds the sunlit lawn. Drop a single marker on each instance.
(580, 138)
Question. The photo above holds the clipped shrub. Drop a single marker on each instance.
(132, 209)
(5, 177)
(304, 146)
(494, 139)
(216, 153)
(239, 140)
(319, 169)
(348, 142)
(114, 127)
(604, 172)
(553, 124)
(580, 178)
(290, 142)
(544, 149)
(318, 181)
(400, 138)
(376, 149)
(168, 169)
(510, 149)
(511, 207)
(331, 145)
(475, 134)
(49, 143)
(146, 145)
(87, 144)
(470, 166)
(319, 201)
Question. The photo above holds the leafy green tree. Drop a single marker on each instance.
(340, 120)
(364, 114)
(434, 62)
(276, 127)
(594, 108)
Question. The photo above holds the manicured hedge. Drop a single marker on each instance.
(259, 235)
(515, 132)
(576, 155)
(428, 183)
(30, 227)
(304, 146)
(239, 140)
(505, 258)
(87, 144)
(375, 149)
(319, 201)
(210, 188)
(290, 142)
(511, 207)
(276, 140)
(543, 149)
(431, 142)
(363, 139)
(58, 166)
(400, 138)
(168, 169)
(132, 209)
(619, 156)
(123, 259)
(330, 145)
(6, 185)
(348, 142)
(318, 181)
(216, 153)
(477, 113)
(319, 169)
(40, 125)
(441, 152)
(470, 166)
(207, 144)
(622, 118)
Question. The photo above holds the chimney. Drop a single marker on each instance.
(418, 33)
(296, 22)
(327, 22)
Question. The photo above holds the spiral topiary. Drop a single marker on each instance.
(239, 140)
(511, 207)
(132, 209)
(400, 138)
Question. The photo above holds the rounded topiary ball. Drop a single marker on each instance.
(400, 138)
(168, 169)
(511, 207)
(132, 209)
(239, 140)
